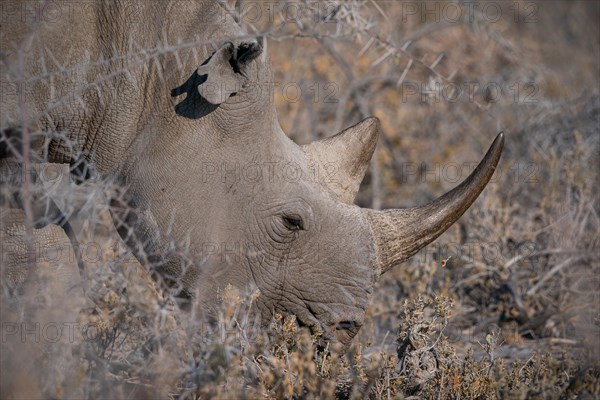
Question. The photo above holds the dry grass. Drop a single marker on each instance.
(503, 305)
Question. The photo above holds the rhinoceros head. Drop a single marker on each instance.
(253, 209)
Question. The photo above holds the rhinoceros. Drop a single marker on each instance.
(172, 102)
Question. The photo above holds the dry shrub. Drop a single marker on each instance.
(139, 347)
(504, 305)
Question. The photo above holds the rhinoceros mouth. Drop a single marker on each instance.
(341, 331)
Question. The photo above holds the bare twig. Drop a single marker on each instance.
(549, 274)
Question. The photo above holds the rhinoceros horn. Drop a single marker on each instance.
(342, 160)
(400, 233)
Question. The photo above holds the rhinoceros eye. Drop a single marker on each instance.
(293, 222)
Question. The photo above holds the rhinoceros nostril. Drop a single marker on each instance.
(346, 325)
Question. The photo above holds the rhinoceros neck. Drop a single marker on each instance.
(110, 82)
(150, 55)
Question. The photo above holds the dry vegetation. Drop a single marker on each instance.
(503, 305)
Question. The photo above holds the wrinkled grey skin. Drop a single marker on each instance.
(294, 236)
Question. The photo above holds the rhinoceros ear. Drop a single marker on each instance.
(342, 160)
(220, 76)
(224, 71)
